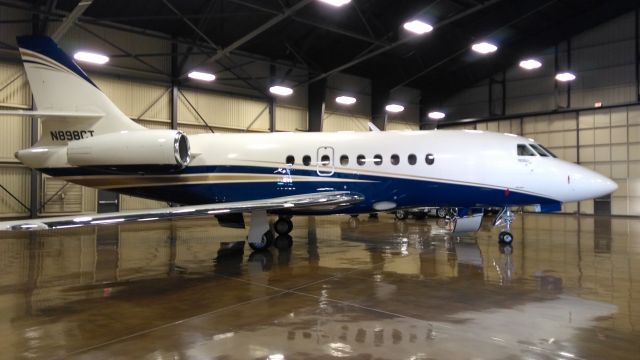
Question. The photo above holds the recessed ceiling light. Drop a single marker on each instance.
(484, 47)
(530, 64)
(394, 108)
(281, 90)
(346, 100)
(417, 27)
(436, 115)
(198, 75)
(91, 57)
(565, 76)
(336, 3)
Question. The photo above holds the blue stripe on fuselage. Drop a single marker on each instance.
(404, 192)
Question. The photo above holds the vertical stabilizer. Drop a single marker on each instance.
(58, 84)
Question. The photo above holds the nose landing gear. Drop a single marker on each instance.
(504, 218)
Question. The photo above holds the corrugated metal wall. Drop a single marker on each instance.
(342, 122)
(16, 134)
(291, 119)
(222, 111)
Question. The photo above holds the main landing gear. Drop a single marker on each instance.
(504, 218)
(260, 235)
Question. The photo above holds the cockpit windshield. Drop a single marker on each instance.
(539, 150)
(548, 151)
(524, 150)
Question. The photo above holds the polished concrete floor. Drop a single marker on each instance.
(569, 288)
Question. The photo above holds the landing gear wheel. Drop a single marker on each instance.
(441, 212)
(283, 242)
(401, 214)
(283, 226)
(265, 242)
(505, 237)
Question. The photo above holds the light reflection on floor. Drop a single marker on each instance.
(373, 288)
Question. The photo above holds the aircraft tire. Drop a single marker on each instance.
(267, 239)
(505, 237)
(401, 214)
(441, 212)
(283, 242)
(283, 226)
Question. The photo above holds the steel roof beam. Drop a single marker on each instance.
(369, 39)
(71, 19)
(219, 50)
(57, 15)
(399, 42)
(259, 30)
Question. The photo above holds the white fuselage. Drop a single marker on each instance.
(464, 168)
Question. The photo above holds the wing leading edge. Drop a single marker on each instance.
(323, 201)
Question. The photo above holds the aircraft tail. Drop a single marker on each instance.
(80, 109)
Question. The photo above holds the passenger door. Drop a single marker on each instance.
(324, 161)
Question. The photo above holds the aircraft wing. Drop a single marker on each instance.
(323, 201)
(51, 114)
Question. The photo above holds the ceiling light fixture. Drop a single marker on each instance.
(346, 100)
(530, 64)
(565, 76)
(394, 108)
(436, 115)
(90, 57)
(417, 27)
(336, 3)
(281, 90)
(198, 75)
(484, 47)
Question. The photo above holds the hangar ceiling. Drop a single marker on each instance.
(307, 40)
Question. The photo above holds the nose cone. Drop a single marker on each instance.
(590, 185)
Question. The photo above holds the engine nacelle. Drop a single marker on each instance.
(130, 150)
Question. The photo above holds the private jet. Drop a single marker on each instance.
(87, 140)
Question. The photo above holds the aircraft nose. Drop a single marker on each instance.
(595, 185)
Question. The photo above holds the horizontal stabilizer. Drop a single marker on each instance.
(333, 199)
(51, 114)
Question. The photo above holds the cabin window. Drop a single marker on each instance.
(547, 150)
(429, 159)
(412, 159)
(290, 160)
(344, 160)
(360, 160)
(377, 159)
(306, 160)
(524, 150)
(325, 160)
(395, 159)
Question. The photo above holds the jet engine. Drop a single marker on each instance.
(138, 151)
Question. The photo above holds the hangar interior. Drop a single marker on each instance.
(122, 290)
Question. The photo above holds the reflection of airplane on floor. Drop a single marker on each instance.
(87, 140)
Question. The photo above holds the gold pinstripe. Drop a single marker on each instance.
(118, 181)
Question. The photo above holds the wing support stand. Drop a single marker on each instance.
(260, 235)
(504, 218)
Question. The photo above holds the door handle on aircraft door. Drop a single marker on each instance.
(108, 202)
